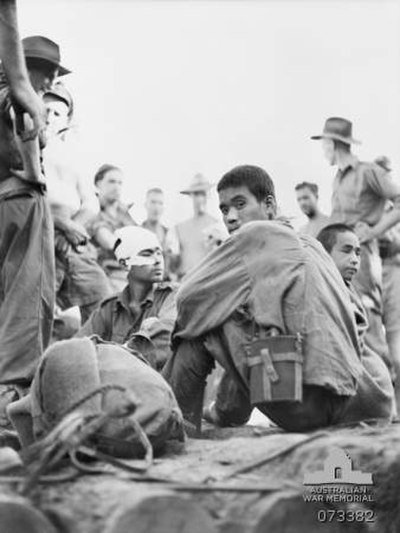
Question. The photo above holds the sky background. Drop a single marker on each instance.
(166, 89)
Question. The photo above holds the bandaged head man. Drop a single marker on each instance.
(143, 314)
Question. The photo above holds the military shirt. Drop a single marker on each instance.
(116, 320)
(360, 192)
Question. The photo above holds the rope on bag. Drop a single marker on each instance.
(71, 437)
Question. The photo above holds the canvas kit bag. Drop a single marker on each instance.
(71, 370)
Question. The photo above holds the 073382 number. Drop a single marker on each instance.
(342, 515)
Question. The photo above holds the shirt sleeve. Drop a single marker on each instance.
(382, 183)
(212, 291)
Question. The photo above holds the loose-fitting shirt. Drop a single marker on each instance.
(265, 273)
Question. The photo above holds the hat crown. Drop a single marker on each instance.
(339, 126)
(199, 179)
(198, 184)
(38, 43)
(40, 47)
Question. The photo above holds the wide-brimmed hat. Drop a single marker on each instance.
(39, 47)
(338, 129)
(198, 184)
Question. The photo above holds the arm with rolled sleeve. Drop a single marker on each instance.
(384, 186)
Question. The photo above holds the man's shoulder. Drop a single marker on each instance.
(167, 286)
(368, 167)
(278, 225)
(110, 301)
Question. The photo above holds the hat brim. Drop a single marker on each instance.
(62, 71)
(192, 190)
(335, 137)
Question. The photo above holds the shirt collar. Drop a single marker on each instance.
(351, 165)
(123, 297)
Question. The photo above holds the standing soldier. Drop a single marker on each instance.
(187, 241)
(26, 233)
(360, 192)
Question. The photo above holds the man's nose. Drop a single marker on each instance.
(232, 215)
(355, 259)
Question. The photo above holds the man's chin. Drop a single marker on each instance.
(231, 231)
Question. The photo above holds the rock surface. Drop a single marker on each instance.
(245, 480)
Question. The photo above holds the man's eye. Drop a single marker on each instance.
(240, 204)
(224, 210)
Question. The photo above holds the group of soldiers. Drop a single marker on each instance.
(293, 322)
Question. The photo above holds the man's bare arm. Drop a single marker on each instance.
(14, 67)
(89, 202)
(366, 233)
(105, 238)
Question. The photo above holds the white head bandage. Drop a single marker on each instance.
(134, 240)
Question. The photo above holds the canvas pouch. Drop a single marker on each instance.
(275, 369)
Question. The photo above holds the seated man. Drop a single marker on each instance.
(267, 281)
(113, 215)
(343, 245)
(80, 281)
(144, 313)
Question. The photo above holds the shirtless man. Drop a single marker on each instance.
(79, 279)
(307, 198)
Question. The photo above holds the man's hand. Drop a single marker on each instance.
(25, 100)
(364, 232)
(75, 234)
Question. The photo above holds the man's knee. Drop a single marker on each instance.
(319, 408)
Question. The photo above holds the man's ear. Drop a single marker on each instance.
(270, 204)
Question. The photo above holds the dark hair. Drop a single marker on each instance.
(102, 171)
(328, 235)
(156, 190)
(307, 185)
(254, 178)
(43, 65)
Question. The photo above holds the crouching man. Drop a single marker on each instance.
(69, 379)
(143, 314)
(272, 309)
(343, 245)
